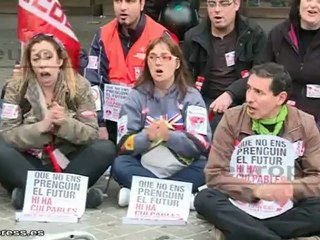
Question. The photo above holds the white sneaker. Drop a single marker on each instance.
(192, 208)
(124, 197)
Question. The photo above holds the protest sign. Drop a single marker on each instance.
(114, 97)
(158, 201)
(263, 159)
(53, 196)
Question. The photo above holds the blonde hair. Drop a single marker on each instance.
(68, 71)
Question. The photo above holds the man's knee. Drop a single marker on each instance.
(208, 197)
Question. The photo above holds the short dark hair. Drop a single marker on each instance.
(281, 80)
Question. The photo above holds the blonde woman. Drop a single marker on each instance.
(50, 106)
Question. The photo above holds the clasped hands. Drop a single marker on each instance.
(158, 130)
(279, 192)
(54, 117)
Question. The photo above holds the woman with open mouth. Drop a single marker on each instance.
(165, 130)
(49, 122)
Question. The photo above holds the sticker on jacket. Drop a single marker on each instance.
(230, 58)
(299, 148)
(9, 111)
(313, 91)
(197, 120)
(122, 127)
(93, 62)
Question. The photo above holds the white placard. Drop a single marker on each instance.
(263, 159)
(197, 120)
(114, 97)
(158, 201)
(49, 195)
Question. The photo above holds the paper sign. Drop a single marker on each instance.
(114, 97)
(230, 56)
(92, 62)
(9, 111)
(155, 200)
(313, 91)
(122, 127)
(96, 97)
(197, 120)
(50, 194)
(263, 159)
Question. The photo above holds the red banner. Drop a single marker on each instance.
(47, 16)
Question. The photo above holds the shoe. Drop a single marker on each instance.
(192, 208)
(94, 198)
(124, 197)
(17, 198)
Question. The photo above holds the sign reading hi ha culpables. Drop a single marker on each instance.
(53, 196)
(158, 201)
(263, 159)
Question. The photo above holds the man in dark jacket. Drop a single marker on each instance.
(222, 49)
(295, 44)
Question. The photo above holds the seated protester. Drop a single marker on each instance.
(222, 49)
(293, 44)
(50, 105)
(264, 113)
(164, 136)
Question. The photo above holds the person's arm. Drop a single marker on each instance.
(13, 130)
(309, 184)
(97, 69)
(186, 48)
(134, 140)
(188, 143)
(259, 47)
(81, 127)
(217, 171)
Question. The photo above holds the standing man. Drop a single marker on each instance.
(118, 50)
(265, 113)
(222, 49)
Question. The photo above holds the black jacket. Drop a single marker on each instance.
(282, 49)
(251, 40)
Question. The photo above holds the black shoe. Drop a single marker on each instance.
(94, 198)
(17, 198)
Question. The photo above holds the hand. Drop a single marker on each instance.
(163, 130)
(222, 103)
(57, 114)
(152, 131)
(279, 192)
(103, 133)
(45, 125)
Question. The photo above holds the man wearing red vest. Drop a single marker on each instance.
(118, 50)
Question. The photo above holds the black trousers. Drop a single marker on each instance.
(303, 220)
(90, 160)
(112, 129)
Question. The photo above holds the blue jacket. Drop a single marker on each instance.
(141, 106)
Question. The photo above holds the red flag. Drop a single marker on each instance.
(47, 16)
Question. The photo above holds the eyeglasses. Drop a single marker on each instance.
(213, 4)
(162, 57)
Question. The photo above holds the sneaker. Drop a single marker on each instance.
(124, 197)
(192, 208)
(94, 198)
(17, 198)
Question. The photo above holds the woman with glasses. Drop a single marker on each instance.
(50, 110)
(163, 128)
